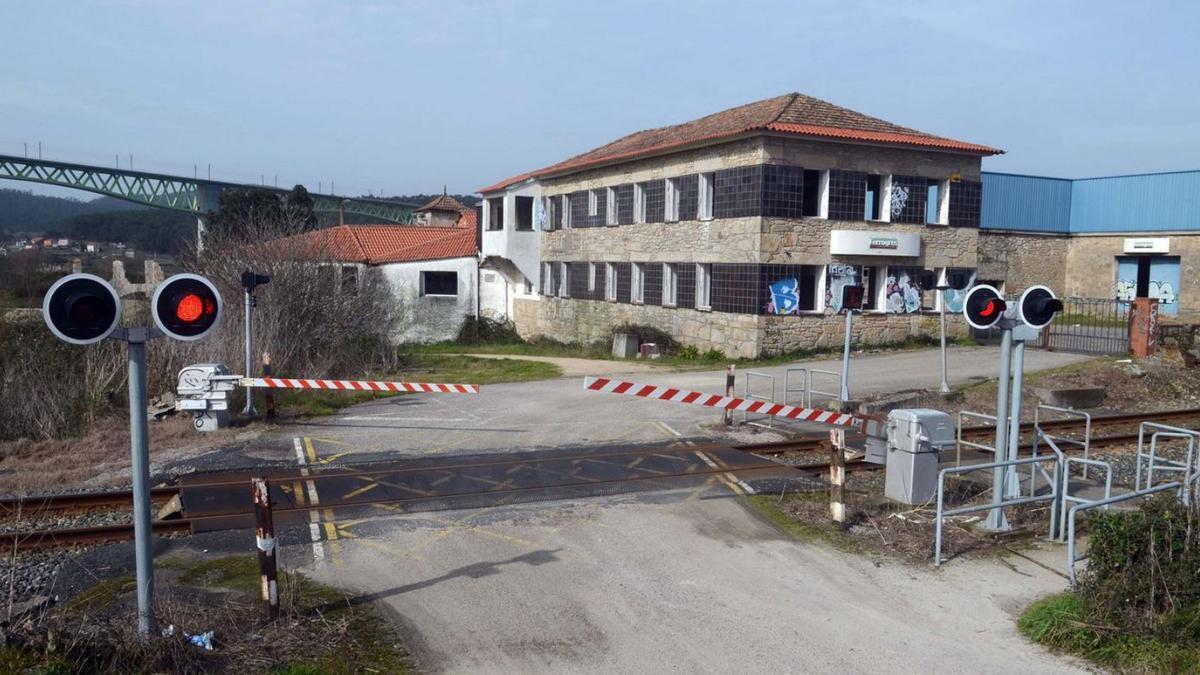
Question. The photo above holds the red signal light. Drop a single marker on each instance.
(190, 308)
(989, 310)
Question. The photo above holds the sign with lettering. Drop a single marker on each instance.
(1148, 245)
(861, 242)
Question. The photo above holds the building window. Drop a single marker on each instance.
(547, 279)
(564, 279)
(528, 287)
(638, 285)
(672, 200)
(439, 283)
(593, 202)
(703, 286)
(639, 203)
(610, 281)
(591, 277)
(566, 210)
(524, 213)
(908, 290)
(548, 206)
(496, 214)
(936, 207)
(670, 285)
(705, 202)
(610, 210)
(811, 206)
(871, 205)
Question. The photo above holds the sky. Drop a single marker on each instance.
(407, 97)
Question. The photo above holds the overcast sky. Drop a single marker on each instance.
(403, 97)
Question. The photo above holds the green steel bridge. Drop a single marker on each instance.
(178, 193)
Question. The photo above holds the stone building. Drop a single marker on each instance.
(1116, 237)
(738, 230)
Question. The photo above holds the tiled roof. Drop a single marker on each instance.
(382, 244)
(789, 114)
(444, 202)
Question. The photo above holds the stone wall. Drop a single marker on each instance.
(812, 154)
(788, 334)
(572, 320)
(806, 241)
(746, 152)
(1021, 260)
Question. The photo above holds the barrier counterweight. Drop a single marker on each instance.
(674, 395)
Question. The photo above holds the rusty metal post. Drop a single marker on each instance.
(837, 475)
(264, 533)
(730, 382)
(269, 395)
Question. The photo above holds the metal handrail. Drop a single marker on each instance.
(805, 398)
(959, 437)
(1078, 508)
(1086, 443)
(759, 397)
(1066, 487)
(1165, 431)
(827, 394)
(942, 513)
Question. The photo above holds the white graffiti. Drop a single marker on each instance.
(899, 199)
(1126, 290)
(1164, 291)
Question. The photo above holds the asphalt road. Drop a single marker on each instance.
(676, 581)
(559, 412)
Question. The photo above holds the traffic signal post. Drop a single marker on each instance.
(250, 281)
(84, 309)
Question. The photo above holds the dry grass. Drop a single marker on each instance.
(98, 459)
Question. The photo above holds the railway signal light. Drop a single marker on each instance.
(983, 306)
(186, 306)
(81, 309)
(852, 298)
(1038, 306)
(250, 280)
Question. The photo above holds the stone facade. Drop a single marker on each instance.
(787, 334)
(1021, 260)
(1091, 269)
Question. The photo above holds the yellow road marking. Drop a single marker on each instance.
(635, 462)
(309, 450)
(298, 493)
(330, 440)
(354, 493)
(331, 458)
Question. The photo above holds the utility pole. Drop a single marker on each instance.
(845, 393)
(942, 288)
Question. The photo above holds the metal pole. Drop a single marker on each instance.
(942, 319)
(837, 475)
(249, 409)
(1012, 486)
(269, 394)
(996, 521)
(730, 384)
(264, 534)
(845, 394)
(140, 456)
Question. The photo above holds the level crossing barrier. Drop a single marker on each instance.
(359, 385)
(604, 384)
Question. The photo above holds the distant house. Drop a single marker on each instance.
(431, 271)
(92, 247)
(443, 211)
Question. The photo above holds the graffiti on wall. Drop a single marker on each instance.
(785, 297)
(899, 200)
(840, 276)
(903, 292)
(954, 297)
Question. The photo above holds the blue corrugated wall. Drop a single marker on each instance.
(1031, 203)
(1138, 203)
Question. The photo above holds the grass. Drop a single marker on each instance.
(1059, 622)
(770, 508)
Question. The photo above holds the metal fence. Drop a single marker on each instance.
(1091, 326)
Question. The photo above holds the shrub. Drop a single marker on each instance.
(689, 353)
(482, 330)
(1143, 571)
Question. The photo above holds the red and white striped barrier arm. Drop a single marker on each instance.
(359, 385)
(716, 401)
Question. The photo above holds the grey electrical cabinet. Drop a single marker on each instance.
(915, 439)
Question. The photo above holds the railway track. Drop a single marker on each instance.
(214, 503)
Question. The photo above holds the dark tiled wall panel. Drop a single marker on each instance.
(624, 272)
(847, 195)
(654, 201)
(555, 278)
(685, 290)
(601, 274)
(557, 222)
(805, 274)
(578, 279)
(689, 194)
(782, 191)
(915, 208)
(654, 275)
(737, 193)
(736, 288)
(579, 209)
(625, 204)
(965, 203)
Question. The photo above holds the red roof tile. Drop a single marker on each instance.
(382, 244)
(444, 202)
(789, 114)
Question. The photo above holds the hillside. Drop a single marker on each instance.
(23, 211)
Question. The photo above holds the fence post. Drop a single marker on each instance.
(837, 475)
(730, 388)
(269, 395)
(264, 533)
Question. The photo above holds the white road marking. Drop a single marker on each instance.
(314, 527)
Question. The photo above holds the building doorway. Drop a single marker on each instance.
(1149, 277)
